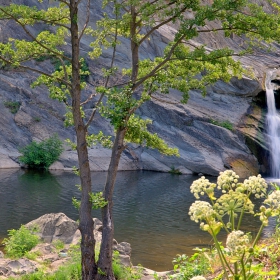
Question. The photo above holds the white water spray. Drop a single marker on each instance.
(273, 126)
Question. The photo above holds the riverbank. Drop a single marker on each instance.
(60, 247)
(59, 261)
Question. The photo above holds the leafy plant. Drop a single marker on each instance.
(187, 267)
(97, 199)
(13, 106)
(174, 170)
(227, 212)
(20, 242)
(43, 154)
(226, 124)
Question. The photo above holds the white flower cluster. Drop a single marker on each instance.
(233, 202)
(227, 180)
(237, 243)
(202, 186)
(201, 211)
(273, 200)
(256, 185)
(198, 278)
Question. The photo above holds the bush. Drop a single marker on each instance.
(43, 154)
(13, 106)
(20, 242)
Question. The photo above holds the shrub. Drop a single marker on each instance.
(20, 242)
(13, 106)
(43, 154)
(226, 124)
(174, 170)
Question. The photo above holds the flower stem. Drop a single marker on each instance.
(243, 267)
(221, 256)
(232, 219)
(258, 235)
(240, 219)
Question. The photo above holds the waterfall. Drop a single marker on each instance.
(273, 127)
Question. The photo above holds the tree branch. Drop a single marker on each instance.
(108, 77)
(34, 38)
(87, 20)
(36, 71)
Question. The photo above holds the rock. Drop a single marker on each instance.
(55, 226)
(4, 271)
(149, 274)
(1, 255)
(56, 166)
(7, 162)
(204, 146)
(21, 266)
(123, 248)
(50, 225)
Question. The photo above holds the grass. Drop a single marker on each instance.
(71, 270)
(226, 124)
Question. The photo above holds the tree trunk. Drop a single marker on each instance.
(89, 269)
(106, 251)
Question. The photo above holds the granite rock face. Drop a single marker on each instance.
(197, 129)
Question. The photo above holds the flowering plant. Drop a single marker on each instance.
(227, 212)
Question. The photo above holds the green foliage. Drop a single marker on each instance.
(32, 255)
(43, 154)
(13, 106)
(58, 244)
(37, 119)
(124, 272)
(20, 242)
(97, 200)
(226, 124)
(70, 271)
(174, 170)
(187, 267)
(137, 132)
(59, 65)
(100, 138)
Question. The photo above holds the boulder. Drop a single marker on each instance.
(124, 250)
(54, 226)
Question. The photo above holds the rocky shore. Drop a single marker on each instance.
(58, 227)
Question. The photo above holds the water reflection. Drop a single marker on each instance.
(150, 209)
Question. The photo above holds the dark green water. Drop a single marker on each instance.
(150, 209)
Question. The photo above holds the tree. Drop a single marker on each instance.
(183, 66)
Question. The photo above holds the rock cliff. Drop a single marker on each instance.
(223, 130)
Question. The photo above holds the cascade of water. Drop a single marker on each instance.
(273, 127)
